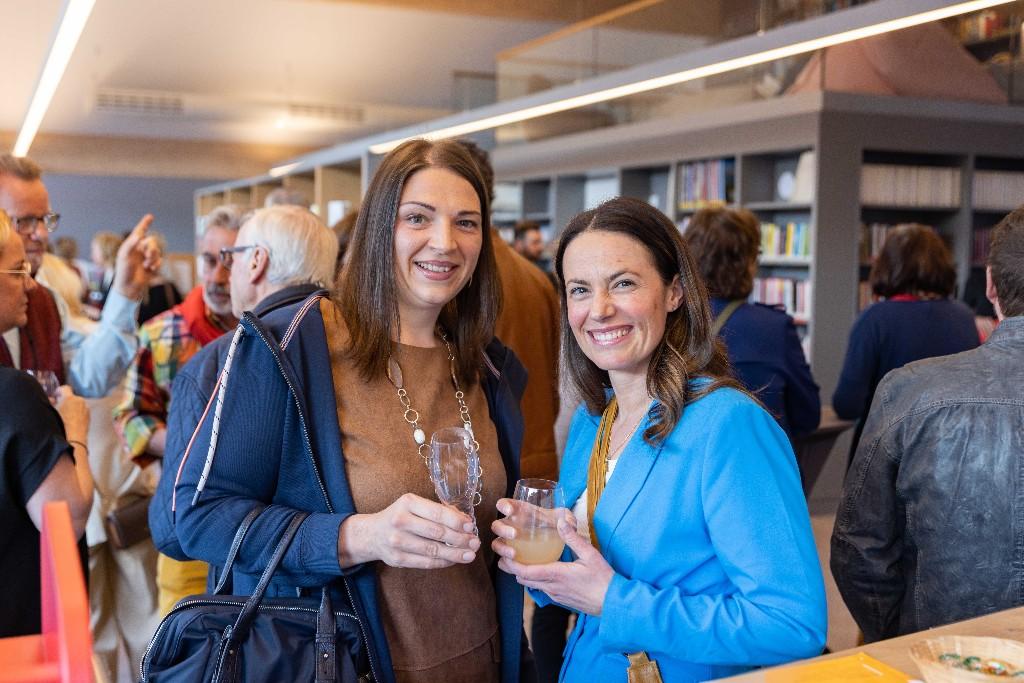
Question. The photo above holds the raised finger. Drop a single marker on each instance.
(139, 231)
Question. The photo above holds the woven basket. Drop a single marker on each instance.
(926, 655)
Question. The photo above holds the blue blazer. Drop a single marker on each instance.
(716, 570)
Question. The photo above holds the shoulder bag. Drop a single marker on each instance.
(221, 638)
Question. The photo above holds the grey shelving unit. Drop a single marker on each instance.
(764, 139)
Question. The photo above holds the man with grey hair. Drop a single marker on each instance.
(283, 255)
(92, 364)
(285, 196)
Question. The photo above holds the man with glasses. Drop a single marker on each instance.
(166, 343)
(282, 256)
(97, 362)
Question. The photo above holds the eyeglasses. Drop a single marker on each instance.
(26, 225)
(25, 271)
(227, 254)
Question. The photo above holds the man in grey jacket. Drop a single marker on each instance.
(927, 532)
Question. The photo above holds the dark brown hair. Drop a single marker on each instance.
(1006, 259)
(725, 243)
(686, 351)
(523, 227)
(367, 292)
(483, 161)
(913, 260)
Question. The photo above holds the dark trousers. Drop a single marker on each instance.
(547, 633)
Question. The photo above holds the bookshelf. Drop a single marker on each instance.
(799, 159)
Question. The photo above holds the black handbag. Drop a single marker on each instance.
(221, 638)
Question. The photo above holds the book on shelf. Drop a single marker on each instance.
(872, 237)
(794, 295)
(791, 239)
(706, 183)
(998, 190)
(899, 185)
(981, 243)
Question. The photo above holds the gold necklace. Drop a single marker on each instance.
(412, 416)
(617, 451)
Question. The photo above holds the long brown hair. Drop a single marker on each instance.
(687, 350)
(366, 291)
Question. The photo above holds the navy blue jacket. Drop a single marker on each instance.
(280, 445)
(766, 356)
(190, 390)
(890, 334)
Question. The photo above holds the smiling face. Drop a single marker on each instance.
(617, 302)
(20, 198)
(438, 238)
(13, 288)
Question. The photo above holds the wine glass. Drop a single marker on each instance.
(48, 381)
(537, 506)
(455, 469)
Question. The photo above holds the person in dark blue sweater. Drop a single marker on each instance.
(915, 318)
(762, 343)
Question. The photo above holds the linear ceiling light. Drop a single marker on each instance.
(587, 99)
(284, 169)
(76, 14)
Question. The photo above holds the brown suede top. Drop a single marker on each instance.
(441, 624)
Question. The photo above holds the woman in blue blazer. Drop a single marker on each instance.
(704, 557)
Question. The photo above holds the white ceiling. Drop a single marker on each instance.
(234, 66)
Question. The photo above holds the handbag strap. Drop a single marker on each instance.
(724, 316)
(240, 629)
(224, 583)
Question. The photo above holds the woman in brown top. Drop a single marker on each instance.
(422, 331)
(403, 348)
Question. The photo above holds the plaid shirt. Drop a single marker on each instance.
(166, 343)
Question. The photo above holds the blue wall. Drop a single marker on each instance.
(88, 204)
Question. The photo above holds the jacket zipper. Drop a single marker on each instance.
(320, 483)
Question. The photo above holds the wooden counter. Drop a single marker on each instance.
(896, 651)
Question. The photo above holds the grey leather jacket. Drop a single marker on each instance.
(930, 525)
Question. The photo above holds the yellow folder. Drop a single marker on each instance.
(857, 667)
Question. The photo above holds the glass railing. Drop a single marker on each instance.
(973, 57)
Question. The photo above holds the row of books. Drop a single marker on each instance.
(794, 295)
(981, 243)
(872, 236)
(706, 183)
(791, 239)
(998, 189)
(982, 25)
(893, 185)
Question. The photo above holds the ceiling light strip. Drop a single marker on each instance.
(692, 74)
(76, 14)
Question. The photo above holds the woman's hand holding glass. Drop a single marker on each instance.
(580, 585)
(412, 532)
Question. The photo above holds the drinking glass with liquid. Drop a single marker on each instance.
(537, 506)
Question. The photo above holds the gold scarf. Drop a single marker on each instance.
(641, 669)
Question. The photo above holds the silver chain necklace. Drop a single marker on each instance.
(412, 416)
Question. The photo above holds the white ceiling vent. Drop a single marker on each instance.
(140, 102)
(347, 114)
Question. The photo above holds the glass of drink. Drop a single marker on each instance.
(48, 381)
(455, 469)
(537, 506)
